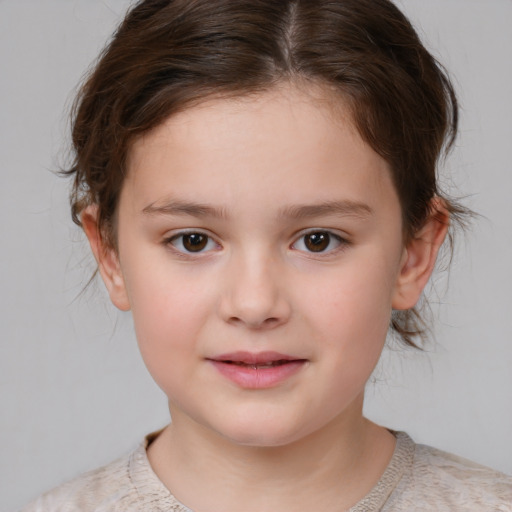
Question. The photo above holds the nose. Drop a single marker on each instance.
(255, 293)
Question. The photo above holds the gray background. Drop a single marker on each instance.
(74, 393)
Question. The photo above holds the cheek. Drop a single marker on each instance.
(169, 312)
(350, 310)
(354, 293)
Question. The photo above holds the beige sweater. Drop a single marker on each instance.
(418, 478)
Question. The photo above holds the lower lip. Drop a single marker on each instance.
(249, 377)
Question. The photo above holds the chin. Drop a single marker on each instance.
(262, 432)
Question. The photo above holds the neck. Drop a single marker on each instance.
(331, 469)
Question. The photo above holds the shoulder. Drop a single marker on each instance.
(93, 490)
(441, 481)
(127, 484)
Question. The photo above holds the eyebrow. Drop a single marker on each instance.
(184, 208)
(344, 208)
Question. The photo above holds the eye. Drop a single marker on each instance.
(319, 242)
(192, 242)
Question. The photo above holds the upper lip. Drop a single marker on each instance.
(254, 357)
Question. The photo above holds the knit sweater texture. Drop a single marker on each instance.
(418, 478)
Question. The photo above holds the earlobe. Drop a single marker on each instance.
(106, 258)
(419, 257)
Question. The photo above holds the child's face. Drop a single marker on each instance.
(259, 231)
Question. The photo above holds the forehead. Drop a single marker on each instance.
(311, 108)
(286, 141)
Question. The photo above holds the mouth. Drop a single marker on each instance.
(257, 370)
(256, 359)
(259, 366)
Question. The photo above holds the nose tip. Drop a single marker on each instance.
(256, 299)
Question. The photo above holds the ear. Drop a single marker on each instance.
(419, 257)
(107, 259)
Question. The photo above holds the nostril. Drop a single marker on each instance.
(255, 307)
(255, 324)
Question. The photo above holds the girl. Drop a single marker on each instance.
(257, 181)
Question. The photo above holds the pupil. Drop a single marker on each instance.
(194, 242)
(317, 242)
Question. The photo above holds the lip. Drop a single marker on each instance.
(260, 370)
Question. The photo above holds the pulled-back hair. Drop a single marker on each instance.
(168, 55)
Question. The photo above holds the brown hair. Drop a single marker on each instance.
(170, 54)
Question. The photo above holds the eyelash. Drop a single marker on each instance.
(176, 242)
(341, 242)
(179, 237)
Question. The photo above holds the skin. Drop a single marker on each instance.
(241, 172)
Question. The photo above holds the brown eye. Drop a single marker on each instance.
(192, 242)
(317, 242)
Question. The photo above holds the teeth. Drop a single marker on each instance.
(269, 364)
(258, 366)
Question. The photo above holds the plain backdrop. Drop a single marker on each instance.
(74, 392)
